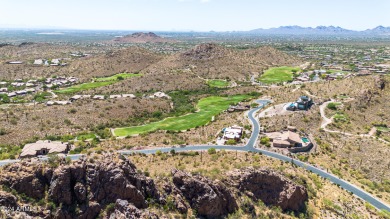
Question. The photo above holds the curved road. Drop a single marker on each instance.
(250, 147)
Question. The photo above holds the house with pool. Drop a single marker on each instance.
(290, 140)
(303, 103)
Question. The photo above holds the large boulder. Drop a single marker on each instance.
(209, 198)
(124, 210)
(269, 187)
(8, 200)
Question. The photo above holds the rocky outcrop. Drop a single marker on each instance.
(88, 183)
(111, 183)
(124, 210)
(204, 51)
(26, 178)
(380, 82)
(209, 198)
(269, 187)
(7, 200)
(365, 97)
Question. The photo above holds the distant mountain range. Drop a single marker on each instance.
(321, 30)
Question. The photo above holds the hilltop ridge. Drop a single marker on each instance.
(141, 37)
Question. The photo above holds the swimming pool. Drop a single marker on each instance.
(305, 140)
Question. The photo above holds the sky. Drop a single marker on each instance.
(194, 15)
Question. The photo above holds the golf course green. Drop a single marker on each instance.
(278, 75)
(118, 77)
(207, 108)
(218, 83)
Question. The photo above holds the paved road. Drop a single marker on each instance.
(250, 146)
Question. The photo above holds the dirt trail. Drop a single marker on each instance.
(326, 121)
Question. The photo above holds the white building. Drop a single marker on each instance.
(98, 97)
(234, 132)
(160, 95)
(129, 95)
(38, 62)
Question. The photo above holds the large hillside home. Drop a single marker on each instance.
(285, 139)
(303, 103)
(44, 148)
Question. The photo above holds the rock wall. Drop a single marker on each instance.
(85, 183)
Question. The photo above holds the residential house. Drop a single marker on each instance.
(30, 84)
(49, 103)
(15, 62)
(44, 148)
(21, 92)
(12, 94)
(239, 107)
(61, 102)
(160, 95)
(285, 139)
(75, 97)
(17, 84)
(115, 96)
(57, 102)
(98, 97)
(38, 62)
(303, 78)
(129, 95)
(55, 62)
(234, 132)
(30, 90)
(303, 103)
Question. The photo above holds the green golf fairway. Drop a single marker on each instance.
(278, 75)
(85, 86)
(207, 108)
(99, 82)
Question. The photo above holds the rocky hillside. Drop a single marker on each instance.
(100, 63)
(110, 186)
(187, 70)
(132, 59)
(216, 61)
